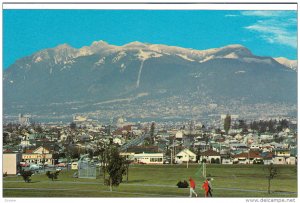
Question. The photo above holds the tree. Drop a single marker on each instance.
(38, 128)
(227, 123)
(152, 128)
(284, 123)
(52, 175)
(241, 124)
(5, 138)
(127, 163)
(271, 126)
(254, 126)
(262, 127)
(272, 172)
(102, 154)
(115, 167)
(73, 126)
(26, 175)
(206, 139)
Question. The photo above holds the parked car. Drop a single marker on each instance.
(24, 164)
(34, 167)
(61, 165)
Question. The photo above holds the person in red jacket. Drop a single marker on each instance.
(192, 187)
(205, 187)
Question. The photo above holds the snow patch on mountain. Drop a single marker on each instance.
(38, 59)
(100, 62)
(84, 51)
(207, 59)
(144, 55)
(292, 64)
(240, 71)
(185, 57)
(119, 56)
(65, 54)
(135, 45)
(123, 67)
(231, 56)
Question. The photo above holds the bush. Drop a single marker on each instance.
(26, 175)
(183, 184)
(52, 175)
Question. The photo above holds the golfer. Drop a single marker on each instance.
(192, 187)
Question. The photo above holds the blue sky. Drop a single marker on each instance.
(265, 33)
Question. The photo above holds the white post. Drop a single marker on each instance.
(204, 170)
(187, 163)
(248, 156)
(171, 156)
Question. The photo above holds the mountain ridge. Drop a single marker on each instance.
(102, 72)
(66, 51)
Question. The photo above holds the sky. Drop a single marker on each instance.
(265, 33)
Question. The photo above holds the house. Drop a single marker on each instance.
(143, 149)
(10, 163)
(128, 155)
(39, 155)
(227, 161)
(210, 156)
(267, 157)
(179, 134)
(118, 141)
(248, 157)
(149, 158)
(283, 156)
(185, 156)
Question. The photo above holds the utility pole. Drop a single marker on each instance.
(43, 155)
(173, 151)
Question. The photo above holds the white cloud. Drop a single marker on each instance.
(275, 27)
(231, 15)
(267, 13)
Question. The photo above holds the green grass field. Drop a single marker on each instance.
(160, 181)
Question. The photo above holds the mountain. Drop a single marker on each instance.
(63, 77)
(292, 64)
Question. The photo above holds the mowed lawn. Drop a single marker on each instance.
(160, 181)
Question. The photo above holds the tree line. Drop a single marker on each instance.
(262, 126)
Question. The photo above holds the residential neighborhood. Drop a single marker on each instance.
(59, 145)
